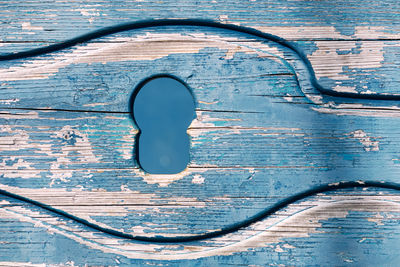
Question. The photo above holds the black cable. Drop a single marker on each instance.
(217, 233)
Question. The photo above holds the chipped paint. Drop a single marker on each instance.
(164, 180)
(288, 98)
(204, 120)
(208, 103)
(198, 179)
(328, 62)
(8, 101)
(19, 139)
(201, 121)
(328, 32)
(359, 112)
(365, 140)
(143, 47)
(29, 27)
(16, 139)
(223, 17)
(19, 115)
(348, 89)
(127, 149)
(78, 202)
(377, 218)
(19, 169)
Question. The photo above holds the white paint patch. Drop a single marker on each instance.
(30, 264)
(81, 149)
(346, 89)
(355, 112)
(206, 121)
(208, 103)
(19, 169)
(164, 180)
(95, 104)
(60, 174)
(288, 99)
(348, 106)
(126, 149)
(280, 132)
(377, 219)
(198, 179)
(138, 230)
(145, 47)
(82, 144)
(317, 99)
(8, 101)
(29, 27)
(13, 139)
(288, 246)
(272, 53)
(375, 32)
(22, 264)
(327, 62)
(328, 32)
(89, 12)
(16, 139)
(223, 17)
(365, 140)
(201, 121)
(19, 115)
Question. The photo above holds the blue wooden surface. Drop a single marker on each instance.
(261, 135)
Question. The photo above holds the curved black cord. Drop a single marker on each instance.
(195, 22)
(217, 233)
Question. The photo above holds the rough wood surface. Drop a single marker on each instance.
(261, 134)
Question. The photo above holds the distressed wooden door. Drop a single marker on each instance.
(263, 133)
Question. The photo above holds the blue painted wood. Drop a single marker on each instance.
(260, 135)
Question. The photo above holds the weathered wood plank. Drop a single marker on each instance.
(67, 139)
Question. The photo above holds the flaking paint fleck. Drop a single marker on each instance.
(198, 179)
(348, 89)
(9, 101)
(164, 180)
(28, 26)
(365, 140)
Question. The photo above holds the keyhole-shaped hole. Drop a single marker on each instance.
(163, 109)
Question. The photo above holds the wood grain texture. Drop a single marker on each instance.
(262, 134)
